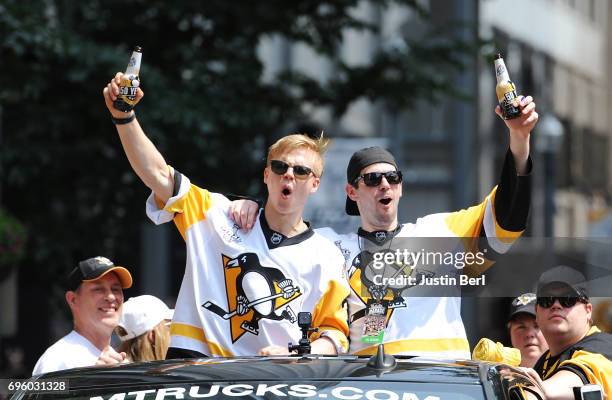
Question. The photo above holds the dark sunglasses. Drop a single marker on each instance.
(280, 167)
(375, 178)
(566, 302)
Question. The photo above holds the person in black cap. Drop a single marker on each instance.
(94, 293)
(525, 335)
(579, 352)
(413, 325)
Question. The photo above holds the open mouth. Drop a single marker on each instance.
(107, 310)
(286, 192)
(386, 201)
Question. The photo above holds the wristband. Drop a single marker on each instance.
(123, 121)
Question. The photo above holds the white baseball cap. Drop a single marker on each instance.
(141, 314)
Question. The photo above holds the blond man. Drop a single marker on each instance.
(241, 292)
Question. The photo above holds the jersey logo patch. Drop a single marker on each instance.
(254, 292)
(361, 274)
(346, 253)
(231, 234)
(276, 238)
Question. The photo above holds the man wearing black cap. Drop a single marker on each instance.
(405, 323)
(94, 293)
(525, 333)
(579, 353)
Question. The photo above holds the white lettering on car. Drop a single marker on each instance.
(140, 395)
(262, 389)
(170, 393)
(194, 392)
(229, 390)
(302, 391)
(116, 396)
(337, 393)
(387, 395)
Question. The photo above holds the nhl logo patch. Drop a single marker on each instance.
(276, 238)
(381, 236)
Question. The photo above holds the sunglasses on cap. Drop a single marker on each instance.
(280, 167)
(375, 178)
(566, 302)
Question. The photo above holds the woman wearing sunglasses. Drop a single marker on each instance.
(241, 293)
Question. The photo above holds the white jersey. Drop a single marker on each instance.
(413, 325)
(243, 291)
(71, 351)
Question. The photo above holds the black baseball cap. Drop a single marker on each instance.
(360, 160)
(562, 281)
(524, 304)
(94, 268)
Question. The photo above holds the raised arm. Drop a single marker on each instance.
(520, 130)
(146, 161)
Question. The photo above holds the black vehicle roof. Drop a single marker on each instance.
(272, 369)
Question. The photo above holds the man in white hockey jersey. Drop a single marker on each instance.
(411, 324)
(241, 293)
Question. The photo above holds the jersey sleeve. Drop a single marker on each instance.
(594, 366)
(330, 314)
(188, 205)
(500, 219)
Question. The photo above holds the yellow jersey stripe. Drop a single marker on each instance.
(198, 334)
(467, 223)
(330, 313)
(420, 346)
(199, 201)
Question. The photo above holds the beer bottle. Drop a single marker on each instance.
(129, 83)
(505, 90)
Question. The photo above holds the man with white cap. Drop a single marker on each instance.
(94, 293)
(144, 328)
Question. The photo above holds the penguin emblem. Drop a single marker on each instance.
(254, 292)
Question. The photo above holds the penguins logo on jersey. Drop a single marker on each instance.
(254, 292)
(362, 273)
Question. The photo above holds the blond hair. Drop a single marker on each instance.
(299, 140)
(141, 348)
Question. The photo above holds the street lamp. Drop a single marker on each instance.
(549, 137)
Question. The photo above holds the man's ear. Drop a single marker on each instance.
(70, 298)
(316, 182)
(266, 172)
(589, 310)
(351, 192)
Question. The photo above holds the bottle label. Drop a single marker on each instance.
(506, 103)
(127, 93)
(128, 88)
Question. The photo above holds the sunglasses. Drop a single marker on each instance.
(375, 178)
(566, 302)
(280, 167)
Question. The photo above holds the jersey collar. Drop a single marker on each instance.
(276, 239)
(379, 237)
